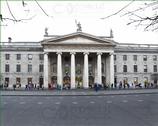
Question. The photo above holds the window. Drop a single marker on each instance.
(6, 80)
(18, 80)
(41, 68)
(30, 56)
(54, 67)
(155, 68)
(90, 69)
(114, 57)
(29, 67)
(41, 56)
(135, 57)
(18, 68)
(115, 68)
(124, 57)
(154, 58)
(135, 80)
(7, 56)
(7, 68)
(124, 68)
(145, 68)
(135, 68)
(145, 58)
(29, 80)
(18, 56)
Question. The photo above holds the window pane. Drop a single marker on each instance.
(7, 68)
(29, 68)
(155, 68)
(135, 68)
(145, 58)
(124, 57)
(18, 68)
(18, 56)
(135, 57)
(41, 56)
(145, 68)
(124, 68)
(7, 56)
(41, 68)
(154, 58)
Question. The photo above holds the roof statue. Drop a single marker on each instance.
(46, 31)
(111, 33)
(79, 28)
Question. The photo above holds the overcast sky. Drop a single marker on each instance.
(61, 20)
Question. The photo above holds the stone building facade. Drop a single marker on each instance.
(77, 60)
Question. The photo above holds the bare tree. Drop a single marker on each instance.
(13, 18)
(146, 15)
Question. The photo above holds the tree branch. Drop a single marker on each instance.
(118, 10)
(41, 8)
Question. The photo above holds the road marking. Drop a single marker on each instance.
(74, 103)
(57, 103)
(140, 100)
(92, 102)
(22, 103)
(109, 102)
(125, 101)
(40, 103)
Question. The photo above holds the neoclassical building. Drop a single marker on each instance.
(77, 60)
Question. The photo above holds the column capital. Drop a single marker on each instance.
(73, 53)
(86, 53)
(111, 53)
(58, 53)
(99, 53)
(45, 53)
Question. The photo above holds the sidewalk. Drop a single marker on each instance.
(76, 92)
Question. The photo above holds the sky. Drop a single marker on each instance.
(61, 20)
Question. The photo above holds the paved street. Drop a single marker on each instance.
(101, 110)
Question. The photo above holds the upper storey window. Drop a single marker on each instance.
(135, 57)
(41, 56)
(145, 58)
(7, 56)
(18, 56)
(154, 58)
(124, 57)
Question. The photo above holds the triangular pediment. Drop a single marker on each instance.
(78, 38)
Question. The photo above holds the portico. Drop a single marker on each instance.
(78, 60)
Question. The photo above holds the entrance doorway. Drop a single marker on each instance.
(66, 82)
(79, 82)
(91, 82)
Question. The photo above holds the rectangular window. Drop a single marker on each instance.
(29, 80)
(135, 68)
(18, 68)
(124, 57)
(30, 56)
(18, 80)
(135, 80)
(155, 68)
(29, 67)
(18, 56)
(145, 58)
(7, 80)
(114, 57)
(154, 58)
(135, 57)
(124, 68)
(7, 56)
(115, 68)
(6, 67)
(41, 68)
(145, 68)
(41, 56)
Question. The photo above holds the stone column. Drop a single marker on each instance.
(45, 70)
(111, 68)
(73, 83)
(99, 68)
(59, 69)
(85, 72)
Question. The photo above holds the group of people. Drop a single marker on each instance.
(33, 86)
